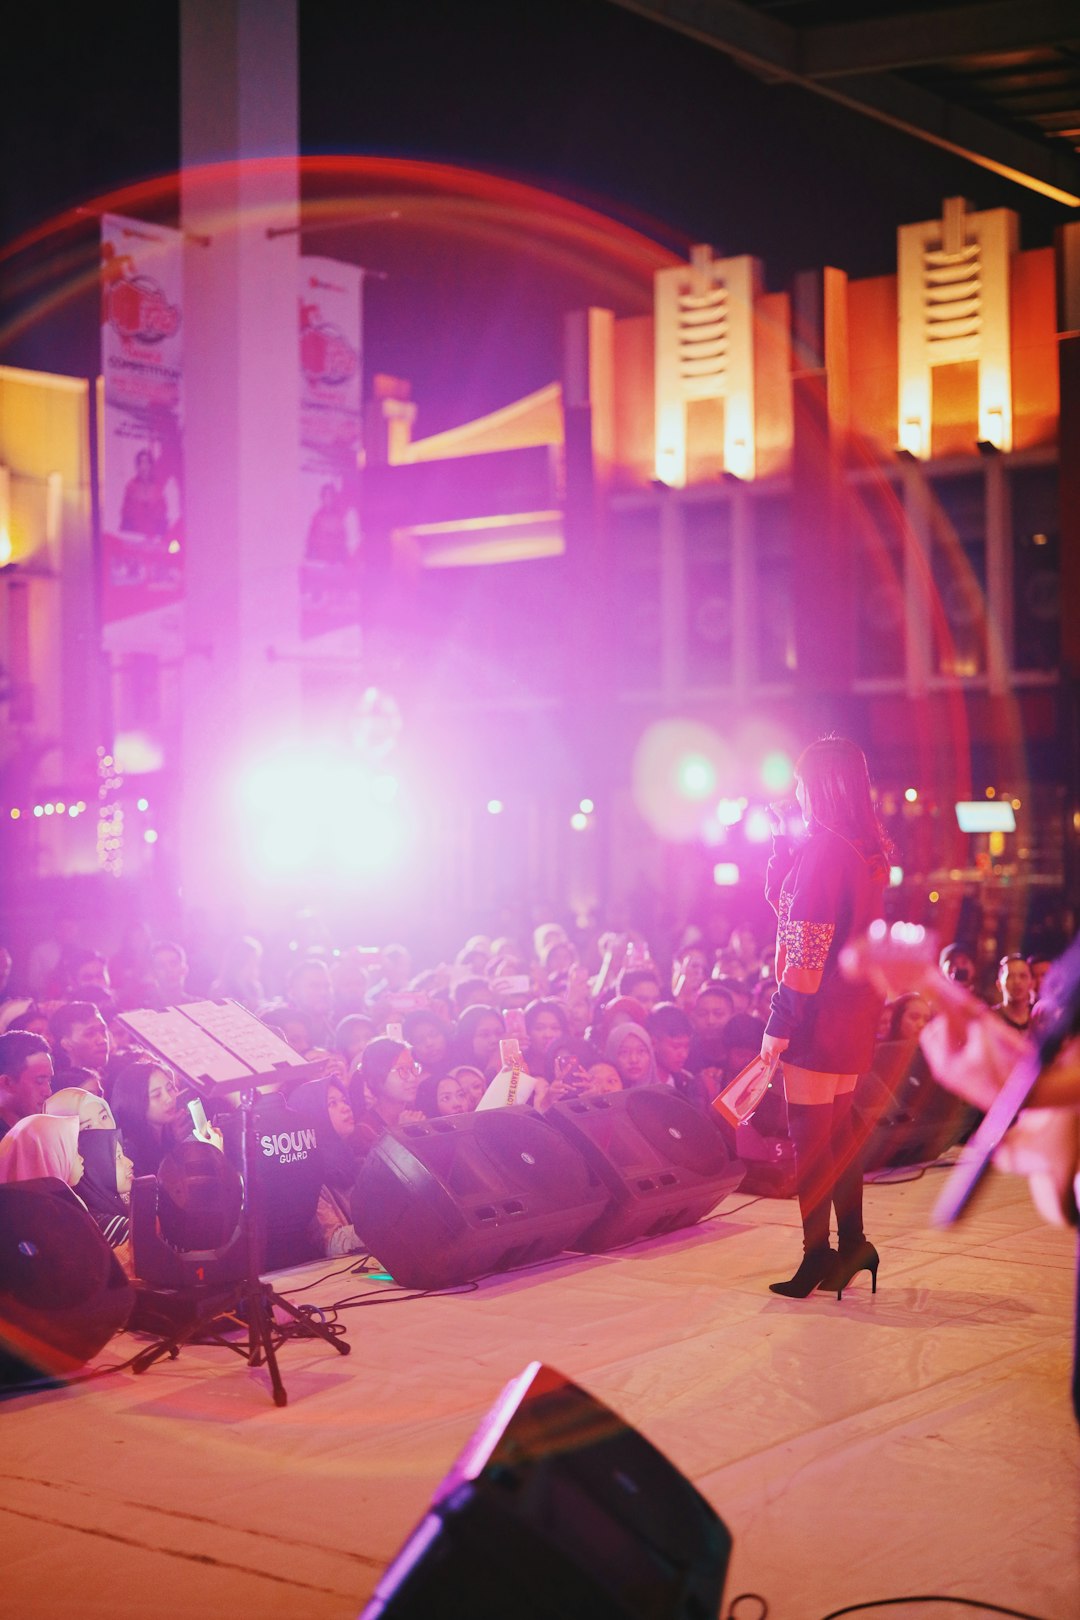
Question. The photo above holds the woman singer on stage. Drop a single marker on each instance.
(825, 890)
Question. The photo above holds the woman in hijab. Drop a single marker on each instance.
(629, 1047)
(42, 1145)
(105, 1187)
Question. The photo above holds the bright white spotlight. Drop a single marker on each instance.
(579, 821)
(725, 874)
(730, 811)
(495, 807)
(306, 810)
(757, 828)
(586, 807)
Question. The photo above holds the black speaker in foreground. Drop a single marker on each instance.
(457, 1197)
(558, 1507)
(62, 1292)
(664, 1163)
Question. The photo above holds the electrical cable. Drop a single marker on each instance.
(932, 1597)
(754, 1597)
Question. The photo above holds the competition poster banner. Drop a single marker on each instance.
(142, 516)
(330, 439)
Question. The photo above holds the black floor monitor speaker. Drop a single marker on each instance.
(62, 1292)
(663, 1163)
(558, 1507)
(769, 1162)
(287, 1167)
(453, 1198)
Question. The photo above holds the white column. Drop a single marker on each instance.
(239, 106)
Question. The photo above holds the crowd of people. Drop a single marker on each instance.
(82, 1102)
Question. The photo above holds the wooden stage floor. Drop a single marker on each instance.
(919, 1441)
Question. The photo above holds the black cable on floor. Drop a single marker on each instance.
(933, 1597)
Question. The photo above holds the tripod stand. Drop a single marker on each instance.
(224, 1282)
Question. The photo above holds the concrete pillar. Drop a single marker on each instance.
(239, 113)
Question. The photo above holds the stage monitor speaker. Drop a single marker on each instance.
(662, 1161)
(456, 1197)
(769, 1162)
(62, 1292)
(558, 1507)
(288, 1173)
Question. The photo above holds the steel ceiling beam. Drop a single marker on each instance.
(884, 44)
(779, 52)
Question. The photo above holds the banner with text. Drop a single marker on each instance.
(330, 441)
(142, 485)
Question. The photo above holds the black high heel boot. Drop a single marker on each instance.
(847, 1264)
(855, 1253)
(809, 1125)
(814, 1267)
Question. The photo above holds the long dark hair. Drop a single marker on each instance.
(836, 780)
(129, 1102)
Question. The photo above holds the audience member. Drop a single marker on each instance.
(169, 969)
(672, 1034)
(438, 1095)
(479, 1031)
(712, 1007)
(1014, 989)
(642, 984)
(26, 1076)
(629, 1047)
(429, 1038)
(390, 1077)
(238, 977)
(146, 1104)
(42, 1145)
(80, 1037)
(105, 1187)
(309, 991)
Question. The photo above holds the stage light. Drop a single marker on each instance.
(729, 812)
(586, 807)
(777, 771)
(307, 808)
(725, 874)
(15, 814)
(896, 876)
(579, 821)
(981, 816)
(911, 794)
(150, 836)
(142, 804)
(495, 807)
(696, 776)
(73, 809)
(679, 765)
(757, 827)
(50, 809)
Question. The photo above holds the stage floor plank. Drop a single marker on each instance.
(916, 1441)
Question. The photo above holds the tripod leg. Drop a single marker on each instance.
(262, 1329)
(312, 1329)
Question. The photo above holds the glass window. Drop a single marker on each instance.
(771, 546)
(1036, 576)
(958, 567)
(636, 583)
(709, 607)
(876, 518)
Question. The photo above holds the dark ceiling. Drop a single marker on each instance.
(998, 83)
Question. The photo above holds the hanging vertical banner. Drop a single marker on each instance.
(142, 517)
(330, 429)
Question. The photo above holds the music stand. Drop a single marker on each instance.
(223, 1051)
